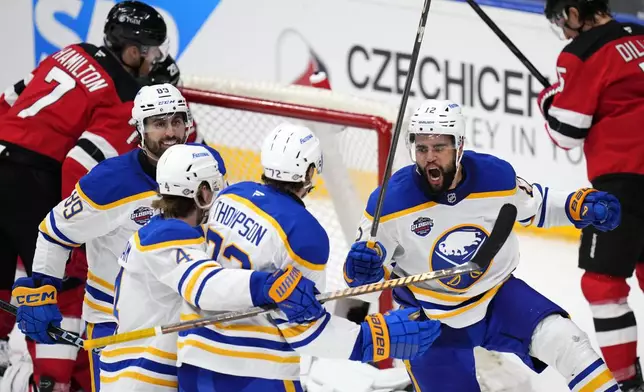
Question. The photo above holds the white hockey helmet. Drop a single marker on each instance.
(184, 167)
(158, 99)
(288, 151)
(437, 117)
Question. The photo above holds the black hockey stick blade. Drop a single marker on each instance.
(58, 333)
(500, 233)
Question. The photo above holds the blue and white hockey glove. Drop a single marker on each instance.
(364, 264)
(592, 207)
(292, 293)
(395, 335)
(37, 309)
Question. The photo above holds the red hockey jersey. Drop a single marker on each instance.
(600, 100)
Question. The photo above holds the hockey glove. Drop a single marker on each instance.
(592, 207)
(293, 293)
(364, 264)
(395, 335)
(545, 98)
(37, 306)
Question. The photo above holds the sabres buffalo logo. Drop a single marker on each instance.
(142, 215)
(455, 247)
(422, 226)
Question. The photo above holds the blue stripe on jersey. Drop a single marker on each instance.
(115, 179)
(98, 294)
(542, 216)
(614, 388)
(203, 284)
(585, 373)
(483, 173)
(142, 363)
(187, 273)
(52, 223)
(315, 334)
(53, 241)
(526, 220)
(237, 340)
(304, 233)
(159, 230)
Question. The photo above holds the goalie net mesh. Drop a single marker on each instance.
(355, 134)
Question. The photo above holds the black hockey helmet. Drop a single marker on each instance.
(557, 10)
(134, 23)
(165, 71)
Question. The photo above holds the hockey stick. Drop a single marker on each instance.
(487, 251)
(513, 48)
(57, 332)
(398, 126)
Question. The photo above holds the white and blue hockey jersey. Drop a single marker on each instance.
(421, 233)
(109, 204)
(164, 267)
(255, 226)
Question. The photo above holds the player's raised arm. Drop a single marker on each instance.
(542, 206)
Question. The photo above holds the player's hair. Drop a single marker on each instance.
(172, 206)
(290, 187)
(588, 9)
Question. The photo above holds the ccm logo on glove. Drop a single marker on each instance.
(285, 284)
(44, 295)
(379, 335)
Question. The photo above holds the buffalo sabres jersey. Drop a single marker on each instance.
(107, 206)
(423, 233)
(164, 266)
(255, 226)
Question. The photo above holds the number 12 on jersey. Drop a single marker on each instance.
(231, 251)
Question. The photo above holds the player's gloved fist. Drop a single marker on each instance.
(364, 264)
(37, 309)
(592, 207)
(294, 295)
(395, 335)
(546, 96)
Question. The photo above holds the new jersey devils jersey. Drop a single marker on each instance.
(600, 101)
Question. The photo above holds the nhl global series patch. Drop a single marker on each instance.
(422, 226)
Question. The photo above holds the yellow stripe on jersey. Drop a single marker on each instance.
(139, 351)
(195, 277)
(404, 212)
(96, 306)
(166, 244)
(411, 375)
(289, 386)
(280, 231)
(43, 227)
(601, 379)
(114, 204)
(140, 377)
(483, 195)
(100, 281)
(237, 354)
(467, 307)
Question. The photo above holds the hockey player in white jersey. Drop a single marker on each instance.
(266, 227)
(436, 214)
(165, 267)
(108, 205)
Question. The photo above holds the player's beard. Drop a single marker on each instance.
(438, 179)
(157, 148)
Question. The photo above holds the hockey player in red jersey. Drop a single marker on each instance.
(73, 108)
(598, 102)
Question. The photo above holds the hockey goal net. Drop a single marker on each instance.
(355, 134)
